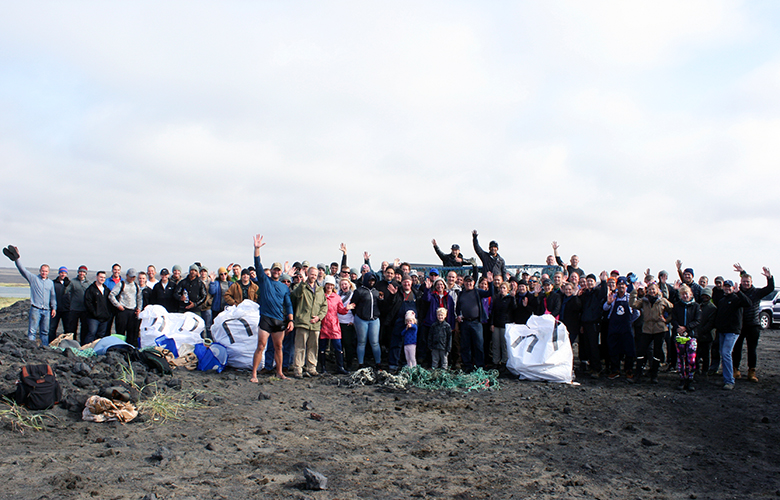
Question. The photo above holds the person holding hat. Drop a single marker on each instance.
(78, 310)
(491, 261)
(43, 299)
(191, 292)
(61, 282)
(162, 293)
(126, 298)
(452, 259)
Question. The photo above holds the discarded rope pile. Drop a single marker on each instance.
(478, 380)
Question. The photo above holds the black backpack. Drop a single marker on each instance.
(37, 388)
(154, 360)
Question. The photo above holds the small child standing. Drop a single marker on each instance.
(410, 338)
(440, 339)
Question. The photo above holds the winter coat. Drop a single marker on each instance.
(440, 336)
(96, 302)
(75, 294)
(330, 328)
(503, 310)
(548, 304)
(410, 334)
(652, 313)
(571, 314)
(308, 304)
(162, 294)
(496, 264)
(750, 315)
(235, 294)
(686, 315)
(706, 321)
(59, 291)
(730, 309)
(196, 293)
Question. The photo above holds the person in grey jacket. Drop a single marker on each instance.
(43, 300)
(78, 310)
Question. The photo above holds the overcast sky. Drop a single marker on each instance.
(633, 133)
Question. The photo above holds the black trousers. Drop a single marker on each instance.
(589, 345)
(750, 333)
(644, 340)
(73, 324)
(126, 324)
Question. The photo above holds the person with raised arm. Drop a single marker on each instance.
(277, 318)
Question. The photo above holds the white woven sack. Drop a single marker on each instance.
(236, 328)
(183, 328)
(539, 350)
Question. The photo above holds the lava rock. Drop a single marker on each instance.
(315, 480)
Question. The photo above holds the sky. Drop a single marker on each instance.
(632, 133)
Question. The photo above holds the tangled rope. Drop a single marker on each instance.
(478, 380)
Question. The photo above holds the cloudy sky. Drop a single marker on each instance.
(632, 133)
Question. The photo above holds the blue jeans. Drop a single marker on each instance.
(39, 325)
(727, 341)
(368, 331)
(208, 318)
(471, 345)
(96, 329)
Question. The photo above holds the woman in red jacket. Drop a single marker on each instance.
(330, 330)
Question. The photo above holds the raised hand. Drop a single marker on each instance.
(474, 233)
(489, 276)
(366, 255)
(392, 289)
(647, 273)
(603, 276)
(286, 269)
(678, 264)
(555, 246)
(434, 242)
(767, 273)
(677, 284)
(259, 241)
(343, 248)
(738, 268)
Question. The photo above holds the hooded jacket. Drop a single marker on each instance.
(366, 299)
(96, 303)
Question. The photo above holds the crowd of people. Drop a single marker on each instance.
(453, 316)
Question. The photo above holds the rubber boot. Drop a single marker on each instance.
(340, 363)
(752, 375)
(321, 362)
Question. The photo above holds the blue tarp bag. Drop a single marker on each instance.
(167, 343)
(211, 357)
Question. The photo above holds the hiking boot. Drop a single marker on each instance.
(613, 376)
(297, 375)
(752, 375)
(340, 363)
(737, 375)
(681, 386)
(728, 387)
(689, 386)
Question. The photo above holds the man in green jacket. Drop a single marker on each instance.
(310, 308)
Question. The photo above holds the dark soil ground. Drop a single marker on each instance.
(599, 440)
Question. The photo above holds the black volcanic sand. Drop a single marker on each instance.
(602, 439)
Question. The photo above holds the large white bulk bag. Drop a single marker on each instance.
(236, 328)
(539, 350)
(183, 328)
